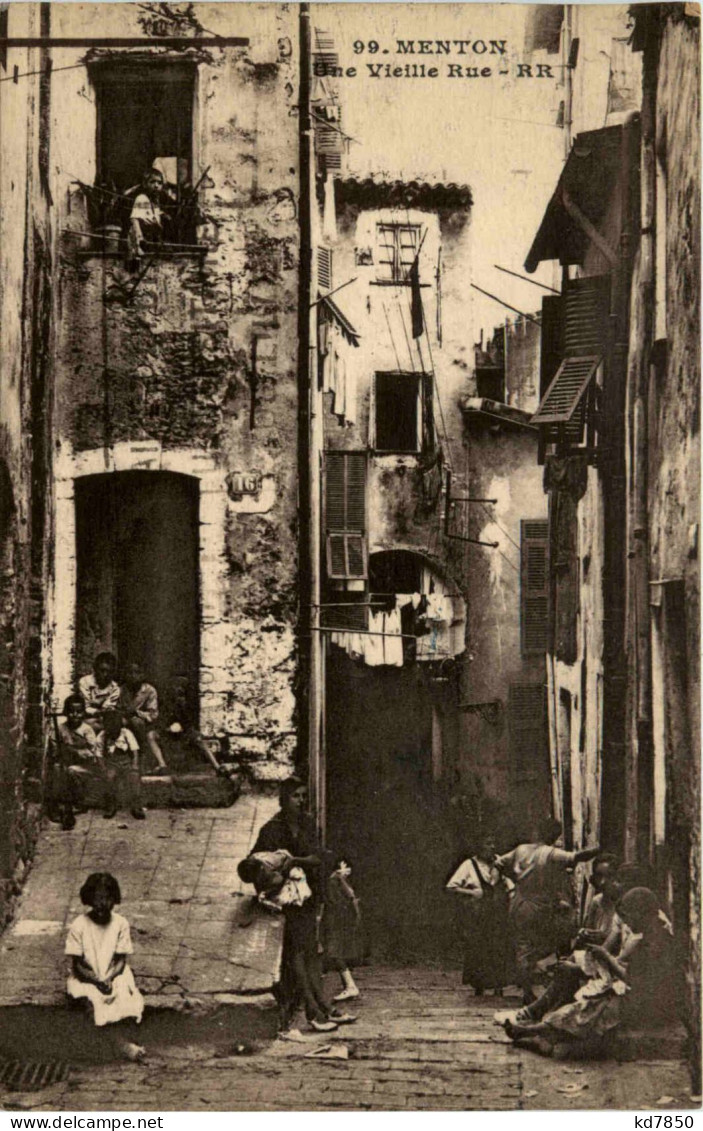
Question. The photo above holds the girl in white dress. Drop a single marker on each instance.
(98, 943)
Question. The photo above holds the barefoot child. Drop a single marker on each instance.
(342, 926)
(98, 943)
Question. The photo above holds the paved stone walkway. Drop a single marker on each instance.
(196, 934)
(422, 1042)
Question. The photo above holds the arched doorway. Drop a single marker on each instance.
(391, 753)
(137, 575)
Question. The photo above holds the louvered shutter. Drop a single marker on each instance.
(585, 342)
(324, 268)
(534, 586)
(551, 341)
(345, 515)
(526, 719)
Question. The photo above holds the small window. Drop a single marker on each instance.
(397, 248)
(397, 412)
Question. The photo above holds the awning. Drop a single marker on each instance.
(342, 321)
(580, 200)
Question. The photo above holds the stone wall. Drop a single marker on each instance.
(26, 275)
(192, 368)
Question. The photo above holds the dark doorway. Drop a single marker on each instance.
(137, 592)
(387, 810)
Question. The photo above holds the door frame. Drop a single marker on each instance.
(147, 455)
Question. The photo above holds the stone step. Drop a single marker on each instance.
(204, 790)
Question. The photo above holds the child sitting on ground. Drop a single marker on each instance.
(98, 944)
(344, 945)
(139, 704)
(100, 689)
(119, 750)
(278, 880)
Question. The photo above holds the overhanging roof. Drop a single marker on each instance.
(587, 181)
(341, 319)
(380, 192)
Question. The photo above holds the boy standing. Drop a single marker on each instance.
(120, 752)
(139, 704)
(100, 689)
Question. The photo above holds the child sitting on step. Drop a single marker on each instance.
(99, 944)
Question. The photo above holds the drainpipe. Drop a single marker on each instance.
(309, 453)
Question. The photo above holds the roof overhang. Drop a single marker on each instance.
(580, 200)
(371, 192)
(341, 320)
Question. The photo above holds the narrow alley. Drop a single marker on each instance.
(422, 1043)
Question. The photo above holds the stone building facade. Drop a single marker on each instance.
(620, 438)
(175, 375)
(431, 504)
(27, 277)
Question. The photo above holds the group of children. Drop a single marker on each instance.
(106, 727)
(280, 883)
(99, 942)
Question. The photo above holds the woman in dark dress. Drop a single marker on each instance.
(301, 977)
(486, 935)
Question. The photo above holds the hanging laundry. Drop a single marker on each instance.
(374, 647)
(392, 640)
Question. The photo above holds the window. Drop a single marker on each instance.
(345, 515)
(397, 248)
(145, 114)
(397, 412)
(534, 586)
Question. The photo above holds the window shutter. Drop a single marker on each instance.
(324, 268)
(351, 616)
(585, 307)
(551, 343)
(526, 718)
(345, 514)
(346, 557)
(534, 586)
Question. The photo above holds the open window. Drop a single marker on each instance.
(144, 121)
(397, 418)
(397, 249)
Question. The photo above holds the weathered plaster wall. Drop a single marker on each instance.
(674, 505)
(486, 462)
(25, 316)
(583, 679)
(173, 364)
(502, 465)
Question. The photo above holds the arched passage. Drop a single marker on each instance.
(391, 760)
(137, 590)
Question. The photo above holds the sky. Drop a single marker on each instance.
(496, 133)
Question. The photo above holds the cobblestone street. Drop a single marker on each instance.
(422, 1042)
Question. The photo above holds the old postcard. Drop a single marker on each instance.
(349, 557)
